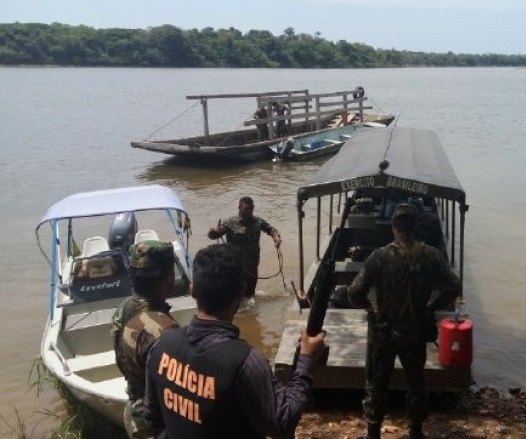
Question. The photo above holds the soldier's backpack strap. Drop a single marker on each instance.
(411, 256)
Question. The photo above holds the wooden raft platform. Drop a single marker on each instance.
(345, 368)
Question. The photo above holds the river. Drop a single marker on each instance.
(64, 130)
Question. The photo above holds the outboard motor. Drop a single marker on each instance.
(122, 231)
(286, 147)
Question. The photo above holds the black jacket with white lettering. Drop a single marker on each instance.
(195, 389)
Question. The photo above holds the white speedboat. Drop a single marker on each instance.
(88, 282)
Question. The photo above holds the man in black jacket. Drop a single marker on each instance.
(203, 381)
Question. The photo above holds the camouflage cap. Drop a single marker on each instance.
(404, 209)
(151, 254)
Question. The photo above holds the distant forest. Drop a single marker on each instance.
(169, 46)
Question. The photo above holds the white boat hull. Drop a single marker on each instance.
(98, 385)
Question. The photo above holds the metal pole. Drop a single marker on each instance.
(462, 223)
(204, 104)
(331, 202)
(339, 202)
(300, 236)
(453, 227)
(53, 270)
(447, 218)
(318, 227)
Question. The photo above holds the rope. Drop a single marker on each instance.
(280, 267)
(171, 120)
(279, 272)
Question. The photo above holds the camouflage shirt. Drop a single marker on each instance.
(137, 324)
(410, 279)
(245, 233)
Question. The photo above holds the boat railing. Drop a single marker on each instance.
(205, 98)
(299, 105)
(320, 102)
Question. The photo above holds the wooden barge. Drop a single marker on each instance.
(331, 111)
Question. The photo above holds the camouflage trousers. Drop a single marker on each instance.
(134, 421)
(379, 366)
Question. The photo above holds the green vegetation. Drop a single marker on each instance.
(77, 422)
(169, 46)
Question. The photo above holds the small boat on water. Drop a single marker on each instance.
(88, 283)
(331, 112)
(372, 172)
(321, 143)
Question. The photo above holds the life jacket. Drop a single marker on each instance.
(195, 389)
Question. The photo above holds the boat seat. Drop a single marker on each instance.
(99, 277)
(146, 235)
(333, 142)
(94, 245)
(88, 333)
(345, 136)
(115, 387)
(84, 362)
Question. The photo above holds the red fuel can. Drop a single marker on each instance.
(455, 343)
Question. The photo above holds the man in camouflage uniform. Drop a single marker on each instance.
(244, 231)
(139, 321)
(404, 275)
(261, 113)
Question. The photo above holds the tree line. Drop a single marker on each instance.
(170, 46)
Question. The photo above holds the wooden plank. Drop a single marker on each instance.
(314, 96)
(347, 341)
(298, 116)
(246, 95)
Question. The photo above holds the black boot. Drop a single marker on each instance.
(415, 431)
(373, 431)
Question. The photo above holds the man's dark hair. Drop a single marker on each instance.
(147, 281)
(405, 224)
(218, 277)
(246, 200)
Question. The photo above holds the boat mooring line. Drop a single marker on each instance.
(171, 121)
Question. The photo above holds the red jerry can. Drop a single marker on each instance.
(455, 343)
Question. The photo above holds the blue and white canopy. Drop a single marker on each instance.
(113, 201)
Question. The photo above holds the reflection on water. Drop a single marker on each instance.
(68, 130)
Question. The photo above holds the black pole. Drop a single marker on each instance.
(318, 227)
(447, 218)
(300, 236)
(331, 202)
(453, 233)
(462, 223)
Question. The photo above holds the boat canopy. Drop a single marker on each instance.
(417, 164)
(113, 201)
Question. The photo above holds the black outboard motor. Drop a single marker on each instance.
(286, 147)
(122, 231)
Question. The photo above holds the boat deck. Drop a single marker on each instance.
(345, 367)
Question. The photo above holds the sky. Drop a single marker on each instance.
(460, 26)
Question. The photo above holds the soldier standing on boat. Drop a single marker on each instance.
(203, 381)
(244, 231)
(281, 127)
(139, 321)
(261, 113)
(401, 318)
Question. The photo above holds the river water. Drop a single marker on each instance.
(64, 130)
